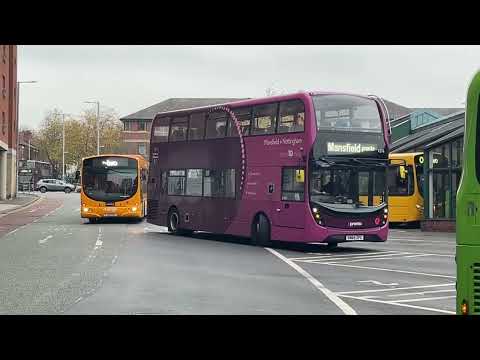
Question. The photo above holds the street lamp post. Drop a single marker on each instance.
(18, 127)
(63, 147)
(98, 123)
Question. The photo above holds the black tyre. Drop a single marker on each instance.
(92, 220)
(173, 221)
(43, 189)
(261, 231)
(67, 190)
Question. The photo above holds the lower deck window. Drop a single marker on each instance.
(219, 183)
(194, 182)
(293, 184)
(176, 182)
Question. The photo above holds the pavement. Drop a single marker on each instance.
(20, 201)
(54, 262)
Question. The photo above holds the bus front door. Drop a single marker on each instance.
(289, 209)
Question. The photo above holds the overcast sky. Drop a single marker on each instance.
(130, 78)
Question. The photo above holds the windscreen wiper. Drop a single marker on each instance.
(375, 162)
(321, 161)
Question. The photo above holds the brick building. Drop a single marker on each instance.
(27, 149)
(8, 120)
(136, 126)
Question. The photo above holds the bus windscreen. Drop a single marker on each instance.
(110, 178)
(346, 186)
(400, 180)
(345, 112)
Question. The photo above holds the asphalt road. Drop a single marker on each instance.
(52, 262)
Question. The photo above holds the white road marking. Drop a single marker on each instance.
(12, 232)
(422, 299)
(422, 293)
(401, 304)
(390, 270)
(392, 289)
(377, 282)
(419, 255)
(43, 241)
(99, 242)
(342, 256)
(98, 245)
(390, 257)
(329, 294)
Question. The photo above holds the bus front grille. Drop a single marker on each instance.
(476, 288)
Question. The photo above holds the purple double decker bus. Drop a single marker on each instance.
(307, 167)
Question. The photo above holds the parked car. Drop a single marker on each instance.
(45, 185)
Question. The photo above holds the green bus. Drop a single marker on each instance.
(468, 204)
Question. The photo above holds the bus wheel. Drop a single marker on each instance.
(261, 231)
(173, 221)
(92, 220)
(331, 246)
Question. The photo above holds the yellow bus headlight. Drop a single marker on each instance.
(86, 209)
(464, 307)
(134, 208)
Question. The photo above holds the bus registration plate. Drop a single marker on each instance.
(354, 237)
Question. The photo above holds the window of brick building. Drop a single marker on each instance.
(4, 123)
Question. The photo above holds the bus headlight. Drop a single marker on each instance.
(464, 307)
(134, 209)
(315, 210)
(318, 218)
(385, 210)
(85, 209)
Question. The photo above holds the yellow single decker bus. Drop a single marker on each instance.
(113, 186)
(405, 187)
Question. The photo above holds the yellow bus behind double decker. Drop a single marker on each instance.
(405, 188)
(113, 186)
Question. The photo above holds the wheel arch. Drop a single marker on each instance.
(255, 217)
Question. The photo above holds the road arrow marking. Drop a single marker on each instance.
(43, 241)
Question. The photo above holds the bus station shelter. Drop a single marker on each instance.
(442, 143)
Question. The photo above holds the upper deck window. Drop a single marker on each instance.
(346, 112)
(216, 125)
(197, 126)
(264, 119)
(292, 116)
(160, 129)
(244, 116)
(178, 129)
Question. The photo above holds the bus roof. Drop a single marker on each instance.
(404, 155)
(132, 156)
(262, 100)
(409, 158)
